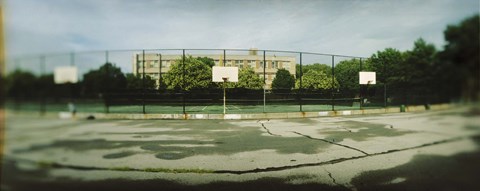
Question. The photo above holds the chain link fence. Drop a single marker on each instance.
(164, 81)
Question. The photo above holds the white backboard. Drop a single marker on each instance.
(65, 74)
(367, 77)
(219, 72)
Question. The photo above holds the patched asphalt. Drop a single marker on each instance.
(432, 149)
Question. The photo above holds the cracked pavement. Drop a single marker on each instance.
(340, 153)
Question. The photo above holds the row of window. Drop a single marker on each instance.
(268, 76)
(237, 63)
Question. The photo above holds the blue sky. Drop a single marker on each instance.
(347, 27)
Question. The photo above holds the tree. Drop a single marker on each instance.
(419, 64)
(346, 72)
(197, 75)
(316, 80)
(247, 79)
(389, 67)
(107, 77)
(459, 62)
(283, 81)
(21, 84)
(136, 82)
(206, 60)
(316, 66)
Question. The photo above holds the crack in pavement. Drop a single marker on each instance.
(331, 177)
(268, 130)
(258, 170)
(334, 161)
(331, 142)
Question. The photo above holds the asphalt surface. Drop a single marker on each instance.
(432, 150)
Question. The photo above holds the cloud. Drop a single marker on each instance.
(357, 28)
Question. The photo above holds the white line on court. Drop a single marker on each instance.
(237, 107)
(204, 108)
(191, 109)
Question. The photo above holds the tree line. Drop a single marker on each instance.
(452, 72)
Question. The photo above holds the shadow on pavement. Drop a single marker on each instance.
(427, 172)
(17, 179)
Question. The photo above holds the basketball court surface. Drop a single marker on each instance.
(422, 150)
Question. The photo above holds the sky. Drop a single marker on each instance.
(346, 27)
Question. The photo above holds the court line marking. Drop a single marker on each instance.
(204, 107)
(191, 109)
(236, 107)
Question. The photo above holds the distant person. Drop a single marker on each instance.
(71, 108)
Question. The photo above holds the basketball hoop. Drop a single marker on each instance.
(224, 74)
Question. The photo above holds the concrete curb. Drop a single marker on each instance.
(286, 115)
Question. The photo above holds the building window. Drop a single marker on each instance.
(239, 63)
(286, 65)
(274, 64)
(252, 64)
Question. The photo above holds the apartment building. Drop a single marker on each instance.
(158, 64)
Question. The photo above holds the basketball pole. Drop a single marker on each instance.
(224, 96)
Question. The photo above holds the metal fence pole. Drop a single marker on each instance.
(107, 108)
(360, 87)
(333, 83)
(183, 80)
(301, 87)
(224, 58)
(159, 71)
(143, 81)
(42, 72)
(264, 82)
(72, 87)
(384, 85)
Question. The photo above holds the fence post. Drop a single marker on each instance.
(42, 72)
(301, 86)
(159, 72)
(107, 109)
(264, 82)
(72, 87)
(183, 80)
(384, 85)
(333, 83)
(143, 81)
(360, 87)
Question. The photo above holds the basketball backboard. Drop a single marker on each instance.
(367, 77)
(219, 73)
(65, 74)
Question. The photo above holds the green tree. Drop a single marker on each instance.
(346, 72)
(206, 60)
(247, 79)
(419, 64)
(459, 62)
(389, 67)
(107, 77)
(46, 86)
(316, 80)
(136, 82)
(283, 81)
(197, 75)
(316, 66)
(21, 84)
